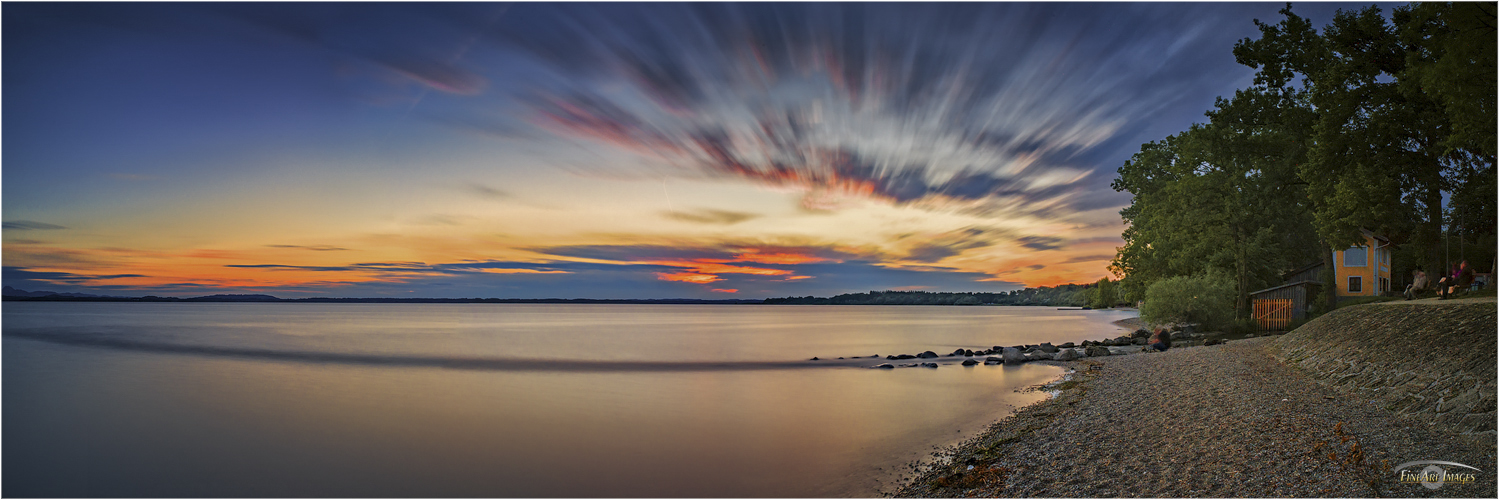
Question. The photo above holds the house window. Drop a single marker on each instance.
(1356, 257)
(1355, 284)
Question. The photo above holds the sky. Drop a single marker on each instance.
(620, 150)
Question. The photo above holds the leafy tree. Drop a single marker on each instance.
(1451, 56)
(1103, 295)
(1224, 195)
(1204, 299)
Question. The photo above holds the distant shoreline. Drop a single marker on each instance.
(393, 300)
(374, 300)
(1026, 297)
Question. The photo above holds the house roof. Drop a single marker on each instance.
(1371, 234)
(1298, 270)
(1288, 285)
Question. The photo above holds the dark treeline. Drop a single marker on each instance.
(1061, 295)
(1368, 123)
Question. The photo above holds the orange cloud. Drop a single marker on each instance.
(710, 266)
(776, 258)
(726, 290)
(512, 271)
(688, 277)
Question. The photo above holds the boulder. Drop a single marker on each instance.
(1140, 341)
(1096, 350)
(1037, 356)
(958, 352)
(886, 366)
(901, 356)
(1066, 355)
(995, 359)
(1141, 334)
(1068, 345)
(927, 355)
(992, 361)
(1012, 356)
(1046, 347)
(929, 365)
(967, 352)
(970, 362)
(814, 358)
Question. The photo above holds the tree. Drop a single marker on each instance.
(1102, 295)
(1381, 152)
(1203, 299)
(1451, 57)
(1223, 195)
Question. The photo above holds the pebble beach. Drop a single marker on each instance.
(1217, 421)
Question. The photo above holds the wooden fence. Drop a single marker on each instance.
(1272, 314)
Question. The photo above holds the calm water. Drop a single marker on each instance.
(438, 400)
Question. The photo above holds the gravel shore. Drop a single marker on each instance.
(1219, 421)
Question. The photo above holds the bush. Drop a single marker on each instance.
(1207, 300)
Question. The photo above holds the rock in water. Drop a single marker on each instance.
(1012, 356)
(1068, 345)
(1046, 347)
(958, 352)
(1037, 356)
(814, 358)
(970, 362)
(1066, 355)
(929, 365)
(887, 366)
(1097, 350)
(927, 355)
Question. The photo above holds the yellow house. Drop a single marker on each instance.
(1363, 270)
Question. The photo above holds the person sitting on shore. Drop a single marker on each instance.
(1160, 341)
(1462, 280)
(1417, 285)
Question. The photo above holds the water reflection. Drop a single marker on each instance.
(84, 421)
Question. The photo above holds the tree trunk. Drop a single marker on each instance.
(1241, 271)
(1433, 225)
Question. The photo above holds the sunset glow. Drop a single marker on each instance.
(547, 150)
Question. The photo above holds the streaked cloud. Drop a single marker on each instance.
(28, 225)
(315, 248)
(709, 216)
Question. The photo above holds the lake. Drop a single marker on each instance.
(498, 400)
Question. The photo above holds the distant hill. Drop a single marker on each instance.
(18, 295)
(1070, 295)
(14, 292)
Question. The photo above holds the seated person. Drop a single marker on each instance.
(1459, 282)
(1418, 284)
(1160, 341)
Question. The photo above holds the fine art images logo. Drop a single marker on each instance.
(1433, 476)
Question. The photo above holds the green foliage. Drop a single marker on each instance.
(1241, 326)
(1102, 295)
(1206, 299)
(1451, 57)
(1368, 124)
(1070, 295)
